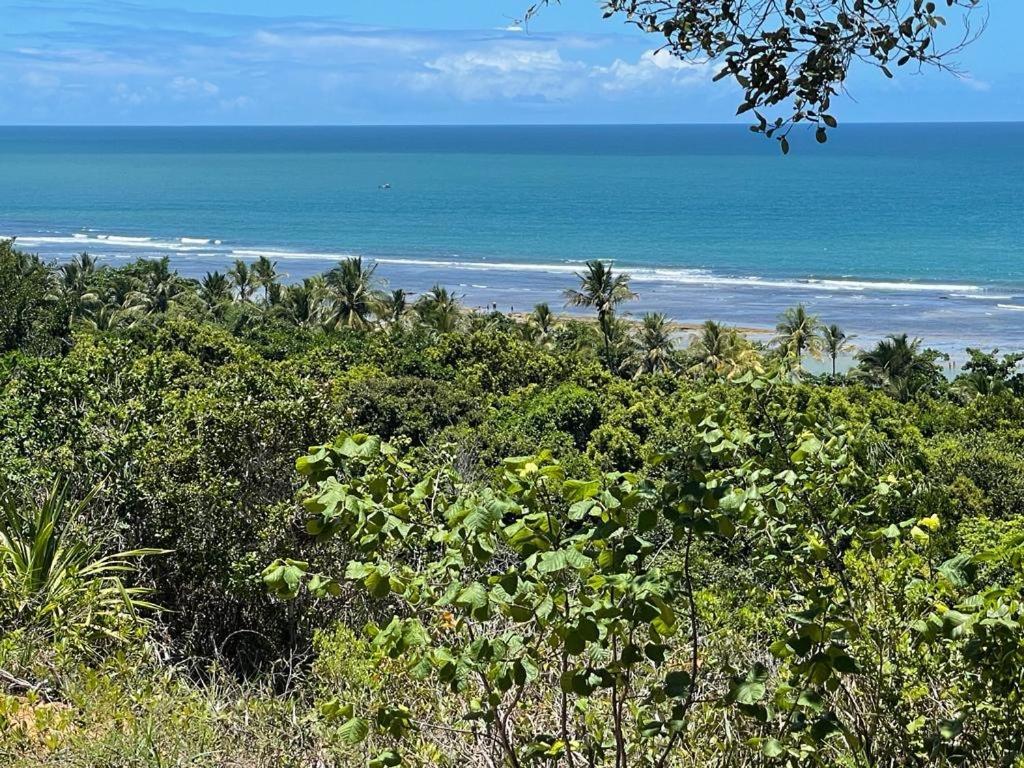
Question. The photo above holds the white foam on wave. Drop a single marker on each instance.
(489, 266)
(125, 240)
(112, 244)
(981, 296)
(685, 276)
(664, 275)
(1015, 307)
(255, 253)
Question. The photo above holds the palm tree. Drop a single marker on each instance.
(835, 342)
(160, 286)
(107, 317)
(439, 309)
(243, 278)
(215, 290)
(543, 319)
(656, 345)
(603, 290)
(121, 305)
(394, 307)
(798, 332)
(353, 291)
(720, 349)
(264, 272)
(302, 302)
(76, 282)
(899, 364)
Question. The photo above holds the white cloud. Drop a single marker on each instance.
(503, 71)
(190, 88)
(653, 69)
(511, 71)
(126, 96)
(981, 86)
(317, 41)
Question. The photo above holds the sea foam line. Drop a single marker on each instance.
(79, 240)
(679, 275)
(698, 277)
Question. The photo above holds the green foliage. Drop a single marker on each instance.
(56, 584)
(724, 565)
(545, 581)
(30, 318)
(901, 366)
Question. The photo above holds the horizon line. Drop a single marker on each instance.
(736, 124)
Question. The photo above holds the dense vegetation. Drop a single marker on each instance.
(248, 523)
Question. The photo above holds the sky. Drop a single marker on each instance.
(341, 62)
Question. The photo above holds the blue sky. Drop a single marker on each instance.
(414, 61)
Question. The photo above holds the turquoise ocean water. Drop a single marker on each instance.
(916, 228)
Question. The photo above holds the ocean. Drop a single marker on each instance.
(887, 228)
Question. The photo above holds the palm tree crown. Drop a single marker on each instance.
(542, 318)
(394, 306)
(656, 344)
(720, 349)
(215, 289)
(160, 286)
(797, 333)
(243, 278)
(835, 341)
(900, 364)
(603, 290)
(354, 292)
(600, 288)
(264, 272)
(439, 309)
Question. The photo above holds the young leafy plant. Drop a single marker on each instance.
(55, 582)
(503, 596)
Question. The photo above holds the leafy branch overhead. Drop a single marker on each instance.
(793, 56)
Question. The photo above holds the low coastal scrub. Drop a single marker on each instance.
(321, 524)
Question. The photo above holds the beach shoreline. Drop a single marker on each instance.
(946, 321)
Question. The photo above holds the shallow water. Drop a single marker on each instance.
(888, 228)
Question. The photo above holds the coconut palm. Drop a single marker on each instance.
(244, 280)
(160, 286)
(656, 346)
(797, 333)
(264, 272)
(600, 288)
(719, 349)
(55, 582)
(301, 303)
(110, 316)
(215, 290)
(76, 281)
(620, 348)
(77, 275)
(543, 319)
(835, 342)
(603, 290)
(439, 309)
(394, 307)
(898, 364)
(354, 293)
